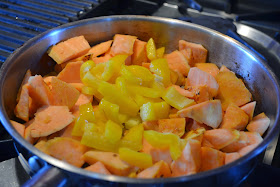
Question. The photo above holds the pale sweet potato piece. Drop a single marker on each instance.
(67, 132)
(220, 138)
(78, 86)
(102, 59)
(158, 170)
(200, 92)
(69, 49)
(27, 132)
(174, 125)
(208, 112)
(68, 150)
(19, 127)
(198, 51)
(247, 149)
(123, 45)
(235, 146)
(184, 92)
(260, 124)
(50, 119)
(71, 73)
(254, 138)
(111, 161)
(188, 56)
(210, 68)
(249, 109)
(22, 108)
(232, 90)
(234, 118)
(24, 81)
(39, 91)
(224, 69)
(230, 157)
(177, 62)
(63, 94)
(211, 158)
(198, 77)
(100, 49)
(98, 167)
(139, 53)
(42, 145)
(193, 125)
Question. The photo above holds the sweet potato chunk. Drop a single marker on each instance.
(67, 132)
(50, 119)
(174, 125)
(102, 59)
(122, 45)
(211, 158)
(151, 125)
(196, 134)
(39, 91)
(220, 138)
(184, 92)
(249, 109)
(232, 90)
(98, 167)
(224, 69)
(200, 92)
(190, 160)
(254, 138)
(230, 157)
(139, 53)
(210, 68)
(63, 94)
(193, 125)
(208, 112)
(177, 62)
(22, 107)
(69, 49)
(27, 132)
(159, 169)
(234, 118)
(260, 124)
(24, 81)
(198, 77)
(237, 145)
(100, 49)
(247, 149)
(82, 99)
(78, 86)
(71, 73)
(19, 127)
(188, 56)
(111, 161)
(198, 51)
(67, 149)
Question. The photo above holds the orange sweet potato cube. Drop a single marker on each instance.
(71, 72)
(230, 157)
(188, 54)
(210, 68)
(98, 167)
(22, 108)
(139, 55)
(259, 124)
(249, 109)
(177, 62)
(19, 127)
(235, 146)
(211, 158)
(122, 45)
(158, 170)
(174, 125)
(198, 51)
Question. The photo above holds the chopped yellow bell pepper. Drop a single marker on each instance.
(85, 67)
(112, 94)
(79, 126)
(160, 52)
(122, 85)
(98, 70)
(154, 111)
(164, 140)
(91, 91)
(133, 138)
(137, 75)
(90, 80)
(151, 49)
(175, 99)
(113, 131)
(100, 115)
(141, 160)
(160, 67)
(162, 110)
(113, 67)
(111, 110)
(144, 91)
(132, 122)
(140, 100)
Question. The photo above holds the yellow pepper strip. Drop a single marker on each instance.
(164, 140)
(85, 67)
(141, 160)
(132, 122)
(160, 67)
(111, 110)
(137, 75)
(160, 52)
(144, 91)
(175, 99)
(98, 70)
(79, 126)
(151, 49)
(113, 67)
(133, 138)
(100, 115)
(122, 85)
(162, 110)
(140, 100)
(154, 111)
(113, 131)
(112, 94)
(90, 80)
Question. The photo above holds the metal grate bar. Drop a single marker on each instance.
(4, 55)
(63, 4)
(17, 30)
(8, 46)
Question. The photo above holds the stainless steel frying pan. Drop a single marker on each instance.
(258, 77)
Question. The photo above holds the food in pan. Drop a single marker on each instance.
(125, 107)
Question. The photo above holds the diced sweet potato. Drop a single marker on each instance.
(184, 92)
(50, 119)
(210, 68)
(100, 49)
(208, 112)
(71, 73)
(111, 161)
(139, 53)
(123, 45)
(247, 149)
(158, 170)
(234, 118)
(42, 145)
(198, 51)
(67, 149)
(78, 86)
(177, 62)
(39, 91)
(188, 56)
(224, 69)
(67, 132)
(22, 107)
(211, 158)
(98, 167)
(82, 99)
(69, 49)
(237, 145)
(24, 81)
(230, 157)
(193, 125)
(102, 59)
(146, 65)
(254, 138)
(174, 125)
(27, 132)
(260, 124)
(19, 127)
(190, 160)
(232, 90)
(200, 92)
(196, 134)
(220, 138)
(151, 125)
(249, 109)
(63, 94)
(198, 77)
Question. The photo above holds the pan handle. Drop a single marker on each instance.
(47, 176)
